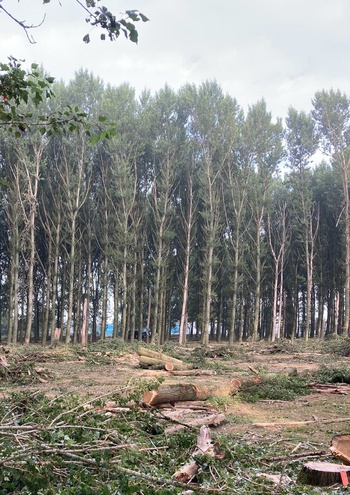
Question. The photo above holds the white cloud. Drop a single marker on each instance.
(282, 50)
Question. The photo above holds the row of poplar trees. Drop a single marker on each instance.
(195, 212)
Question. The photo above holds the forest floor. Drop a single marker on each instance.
(103, 368)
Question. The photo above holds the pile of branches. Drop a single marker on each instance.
(65, 445)
(22, 370)
(115, 444)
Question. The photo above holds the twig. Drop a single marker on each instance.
(23, 25)
(302, 423)
(64, 413)
(320, 453)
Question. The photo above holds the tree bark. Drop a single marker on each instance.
(179, 392)
(323, 473)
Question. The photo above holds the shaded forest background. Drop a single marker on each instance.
(195, 212)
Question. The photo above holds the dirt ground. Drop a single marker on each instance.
(92, 378)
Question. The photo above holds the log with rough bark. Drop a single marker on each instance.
(324, 474)
(178, 392)
(143, 351)
(157, 364)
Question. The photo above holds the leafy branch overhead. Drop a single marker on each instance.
(21, 89)
(104, 19)
(98, 16)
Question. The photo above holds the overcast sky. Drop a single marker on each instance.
(281, 50)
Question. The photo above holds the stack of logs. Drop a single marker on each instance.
(160, 361)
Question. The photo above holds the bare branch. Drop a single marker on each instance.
(23, 24)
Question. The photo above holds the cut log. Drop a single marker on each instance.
(178, 392)
(193, 373)
(157, 364)
(142, 351)
(323, 473)
(341, 448)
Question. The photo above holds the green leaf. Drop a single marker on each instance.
(143, 17)
(86, 38)
(133, 16)
(94, 139)
(133, 36)
(112, 132)
(4, 183)
(102, 118)
(103, 36)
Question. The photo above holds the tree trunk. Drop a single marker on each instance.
(179, 392)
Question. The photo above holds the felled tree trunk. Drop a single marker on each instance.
(157, 364)
(178, 392)
(324, 474)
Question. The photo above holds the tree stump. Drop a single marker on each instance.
(323, 474)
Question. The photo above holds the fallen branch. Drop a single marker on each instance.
(193, 373)
(204, 446)
(329, 388)
(302, 423)
(304, 455)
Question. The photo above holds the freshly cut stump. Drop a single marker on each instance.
(322, 473)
